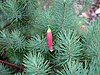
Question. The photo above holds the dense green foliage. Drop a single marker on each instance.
(23, 26)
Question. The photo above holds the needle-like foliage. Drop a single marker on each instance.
(68, 46)
(4, 70)
(23, 43)
(35, 64)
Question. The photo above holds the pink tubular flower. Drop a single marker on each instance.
(49, 39)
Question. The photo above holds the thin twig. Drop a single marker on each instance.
(8, 24)
(62, 24)
(69, 58)
(12, 65)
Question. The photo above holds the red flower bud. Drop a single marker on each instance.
(49, 39)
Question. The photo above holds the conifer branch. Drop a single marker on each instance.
(69, 53)
(7, 25)
(37, 69)
(62, 24)
(12, 65)
(89, 42)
